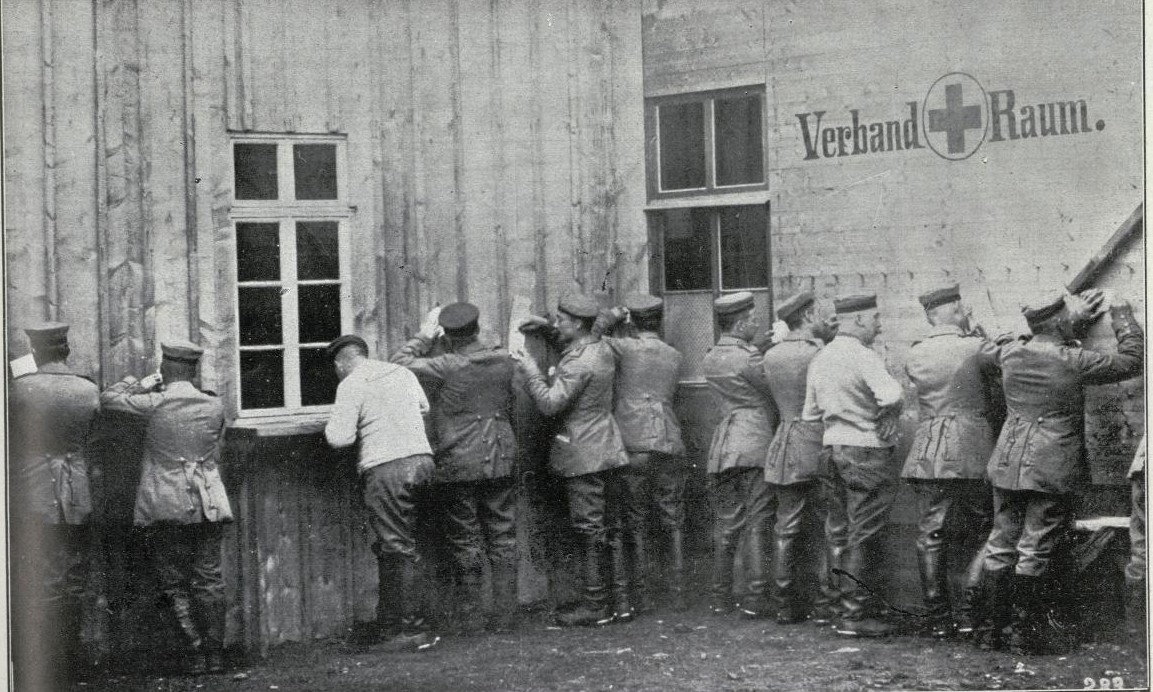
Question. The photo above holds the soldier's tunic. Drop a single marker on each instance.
(181, 498)
(951, 448)
(736, 463)
(476, 450)
(793, 465)
(1039, 460)
(51, 414)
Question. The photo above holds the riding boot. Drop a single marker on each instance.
(413, 626)
(622, 604)
(1035, 630)
(677, 579)
(935, 588)
(593, 609)
(856, 620)
(994, 612)
(785, 556)
(756, 605)
(505, 607)
(214, 619)
(968, 617)
(721, 595)
(827, 605)
(642, 603)
(387, 598)
(194, 663)
(469, 594)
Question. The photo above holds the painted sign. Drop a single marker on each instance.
(954, 119)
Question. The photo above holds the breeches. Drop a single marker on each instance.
(1027, 527)
(391, 491)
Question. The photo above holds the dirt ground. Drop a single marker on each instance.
(693, 651)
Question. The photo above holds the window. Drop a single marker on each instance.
(292, 269)
(706, 142)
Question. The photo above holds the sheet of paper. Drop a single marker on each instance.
(23, 365)
(521, 308)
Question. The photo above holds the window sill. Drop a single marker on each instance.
(717, 199)
(278, 426)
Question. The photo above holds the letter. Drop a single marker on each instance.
(843, 135)
(912, 137)
(1048, 124)
(1071, 106)
(860, 144)
(810, 140)
(876, 137)
(1028, 122)
(893, 134)
(997, 111)
(828, 138)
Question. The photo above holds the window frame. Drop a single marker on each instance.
(285, 212)
(708, 99)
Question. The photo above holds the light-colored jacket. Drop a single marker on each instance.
(847, 389)
(795, 453)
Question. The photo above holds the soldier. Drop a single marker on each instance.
(646, 382)
(792, 468)
(181, 502)
(51, 419)
(1039, 460)
(379, 407)
(475, 456)
(736, 465)
(946, 464)
(588, 451)
(859, 402)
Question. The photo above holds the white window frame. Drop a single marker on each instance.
(285, 211)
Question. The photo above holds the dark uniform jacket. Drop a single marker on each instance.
(1042, 444)
(474, 436)
(52, 414)
(954, 437)
(742, 395)
(179, 478)
(648, 370)
(794, 454)
(582, 394)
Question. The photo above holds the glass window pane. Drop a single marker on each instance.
(740, 154)
(319, 313)
(744, 257)
(317, 250)
(255, 166)
(317, 377)
(314, 167)
(260, 320)
(682, 146)
(688, 249)
(261, 379)
(257, 252)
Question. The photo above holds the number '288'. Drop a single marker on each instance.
(1115, 683)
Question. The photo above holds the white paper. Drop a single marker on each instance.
(521, 308)
(24, 365)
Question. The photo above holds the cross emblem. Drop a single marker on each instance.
(954, 118)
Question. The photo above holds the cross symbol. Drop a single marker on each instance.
(954, 118)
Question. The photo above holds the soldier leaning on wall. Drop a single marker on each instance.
(52, 411)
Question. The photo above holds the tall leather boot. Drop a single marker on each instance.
(968, 615)
(213, 614)
(994, 612)
(639, 566)
(935, 587)
(505, 607)
(413, 626)
(755, 604)
(1034, 631)
(622, 603)
(677, 562)
(469, 592)
(194, 663)
(827, 606)
(856, 620)
(593, 610)
(387, 598)
(721, 592)
(785, 558)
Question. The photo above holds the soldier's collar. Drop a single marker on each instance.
(581, 343)
(730, 340)
(55, 367)
(943, 329)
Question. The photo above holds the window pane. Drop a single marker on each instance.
(744, 260)
(261, 379)
(740, 155)
(317, 250)
(319, 313)
(259, 315)
(314, 167)
(682, 146)
(255, 166)
(317, 377)
(257, 252)
(688, 249)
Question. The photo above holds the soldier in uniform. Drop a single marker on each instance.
(379, 408)
(859, 402)
(792, 468)
(736, 464)
(181, 502)
(646, 381)
(1039, 460)
(475, 455)
(946, 464)
(588, 451)
(52, 411)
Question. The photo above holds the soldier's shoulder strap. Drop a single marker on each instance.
(58, 374)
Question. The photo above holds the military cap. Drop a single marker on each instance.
(644, 305)
(795, 304)
(343, 340)
(47, 334)
(733, 303)
(940, 296)
(855, 303)
(458, 317)
(579, 305)
(183, 351)
(1043, 309)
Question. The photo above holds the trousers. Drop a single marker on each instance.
(1027, 527)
